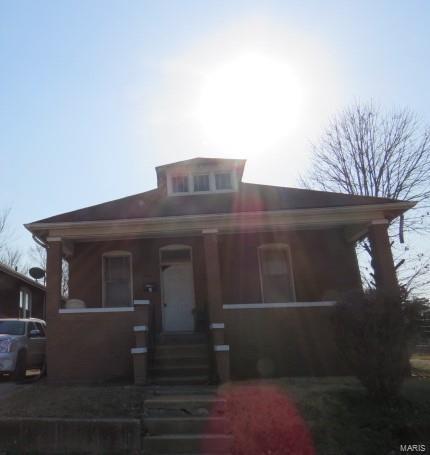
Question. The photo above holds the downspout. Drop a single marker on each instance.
(39, 242)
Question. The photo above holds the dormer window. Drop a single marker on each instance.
(223, 181)
(200, 176)
(201, 182)
(180, 184)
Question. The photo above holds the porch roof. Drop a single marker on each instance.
(252, 208)
(250, 198)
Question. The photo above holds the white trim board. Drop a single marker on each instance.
(96, 310)
(139, 350)
(263, 306)
(141, 302)
(230, 222)
(216, 325)
(140, 328)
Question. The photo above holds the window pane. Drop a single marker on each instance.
(31, 326)
(180, 184)
(25, 303)
(41, 329)
(201, 183)
(275, 262)
(276, 276)
(117, 294)
(117, 268)
(223, 181)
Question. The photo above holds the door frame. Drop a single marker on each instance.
(172, 247)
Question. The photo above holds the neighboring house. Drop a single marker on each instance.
(20, 296)
(255, 267)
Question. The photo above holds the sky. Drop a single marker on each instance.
(94, 95)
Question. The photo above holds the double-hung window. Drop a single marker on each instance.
(201, 182)
(223, 181)
(117, 279)
(276, 274)
(180, 184)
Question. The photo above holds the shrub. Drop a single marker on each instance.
(264, 421)
(373, 331)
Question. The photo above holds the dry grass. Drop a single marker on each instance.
(42, 400)
(421, 365)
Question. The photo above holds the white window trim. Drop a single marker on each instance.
(24, 289)
(285, 246)
(204, 171)
(117, 253)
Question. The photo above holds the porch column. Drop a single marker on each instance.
(140, 352)
(53, 277)
(382, 257)
(216, 316)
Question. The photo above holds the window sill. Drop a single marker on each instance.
(96, 310)
(255, 306)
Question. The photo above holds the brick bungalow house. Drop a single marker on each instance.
(20, 296)
(206, 277)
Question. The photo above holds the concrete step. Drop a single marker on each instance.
(185, 425)
(181, 338)
(180, 350)
(184, 370)
(180, 380)
(185, 361)
(188, 404)
(180, 390)
(187, 443)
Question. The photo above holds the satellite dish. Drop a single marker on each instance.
(36, 273)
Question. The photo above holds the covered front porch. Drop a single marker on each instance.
(225, 272)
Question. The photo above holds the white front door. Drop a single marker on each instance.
(178, 297)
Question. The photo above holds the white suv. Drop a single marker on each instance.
(22, 346)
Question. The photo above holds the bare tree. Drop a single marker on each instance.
(8, 254)
(365, 151)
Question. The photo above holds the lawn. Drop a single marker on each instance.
(42, 400)
(334, 416)
(421, 365)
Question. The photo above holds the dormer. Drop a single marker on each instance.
(200, 176)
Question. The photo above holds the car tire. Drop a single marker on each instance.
(20, 366)
(43, 369)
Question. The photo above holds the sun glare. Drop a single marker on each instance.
(250, 104)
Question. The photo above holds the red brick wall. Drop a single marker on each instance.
(282, 342)
(9, 297)
(323, 264)
(91, 347)
(96, 347)
(85, 280)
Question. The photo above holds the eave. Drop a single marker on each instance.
(312, 218)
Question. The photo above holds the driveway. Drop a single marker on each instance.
(7, 386)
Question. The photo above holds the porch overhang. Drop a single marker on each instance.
(355, 220)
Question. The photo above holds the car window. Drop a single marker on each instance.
(12, 327)
(41, 329)
(31, 326)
